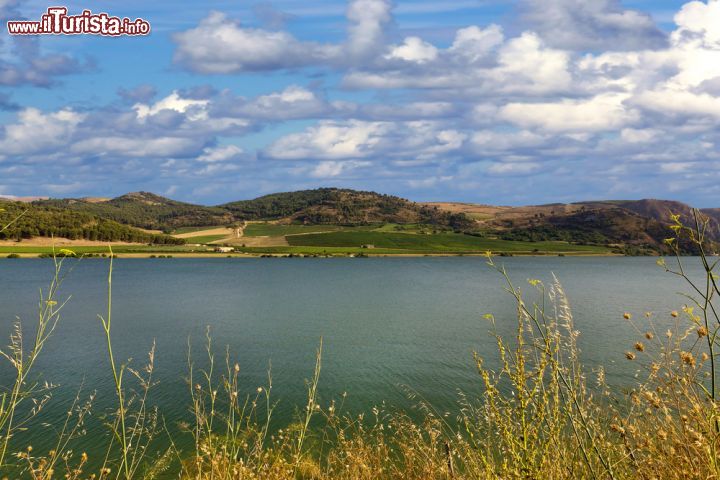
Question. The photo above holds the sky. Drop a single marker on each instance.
(487, 101)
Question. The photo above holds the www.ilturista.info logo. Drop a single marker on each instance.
(57, 22)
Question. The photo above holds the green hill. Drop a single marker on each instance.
(343, 207)
(28, 220)
(146, 210)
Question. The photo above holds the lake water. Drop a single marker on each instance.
(387, 323)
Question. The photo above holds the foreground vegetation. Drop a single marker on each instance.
(542, 413)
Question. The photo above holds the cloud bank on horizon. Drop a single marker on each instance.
(552, 100)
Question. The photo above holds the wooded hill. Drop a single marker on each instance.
(27, 220)
(639, 226)
(320, 206)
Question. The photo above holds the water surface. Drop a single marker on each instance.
(388, 324)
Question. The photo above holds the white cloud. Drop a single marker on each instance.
(37, 132)
(172, 102)
(220, 154)
(596, 24)
(601, 113)
(699, 21)
(220, 45)
(513, 168)
(333, 169)
(137, 147)
(473, 43)
(368, 19)
(330, 140)
(413, 49)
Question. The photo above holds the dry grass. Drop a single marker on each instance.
(542, 414)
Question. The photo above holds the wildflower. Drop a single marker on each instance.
(639, 347)
(237, 368)
(649, 335)
(630, 355)
(705, 357)
(702, 332)
(84, 457)
(29, 448)
(668, 334)
(259, 389)
(627, 316)
(674, 314)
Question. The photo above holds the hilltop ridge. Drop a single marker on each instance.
(630, 226)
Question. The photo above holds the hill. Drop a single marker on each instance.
(28, 220)
(316, 207)
(146, 210)
(637, 226)
(627, 226)
(343, 207)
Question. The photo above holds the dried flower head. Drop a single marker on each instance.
(687, 358)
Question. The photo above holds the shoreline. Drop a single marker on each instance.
(176, 255)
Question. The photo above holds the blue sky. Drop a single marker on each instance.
(487, 101)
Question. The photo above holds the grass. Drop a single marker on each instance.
(206, 238)
(541, 412)
(276, 230)
(183, 230)
(433, 243)
(98, 249)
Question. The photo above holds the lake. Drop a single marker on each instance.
(388, 325)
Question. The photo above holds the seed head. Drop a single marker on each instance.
(687, 358)
(639, 347)
(630, 355)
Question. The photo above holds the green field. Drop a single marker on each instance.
(99, 249)
(184, 230)
(337, 240)
(205, 238)
(275, 230)
(436, 243)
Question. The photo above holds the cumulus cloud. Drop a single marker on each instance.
(604, 112)
(36, 132)
(221, 45)
(220, 154)
(591, 25)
